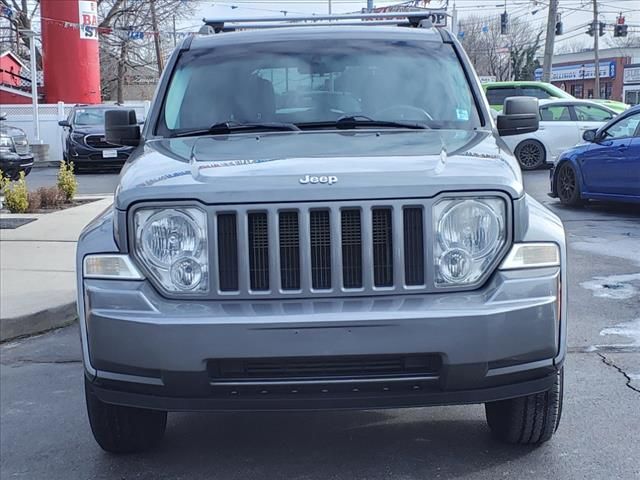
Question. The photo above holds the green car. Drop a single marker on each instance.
(497, 91)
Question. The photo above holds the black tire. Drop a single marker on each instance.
(568, 185)
(530, 420)
(120, 429)
(530, 154)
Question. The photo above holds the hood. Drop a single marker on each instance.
(318, 166)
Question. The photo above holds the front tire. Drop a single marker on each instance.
(119, 429)
(530, 420)
(530, 154)
(568, 186)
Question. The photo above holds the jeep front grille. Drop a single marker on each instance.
(340, 249)
(98, 141)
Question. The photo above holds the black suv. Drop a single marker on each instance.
(85, 144)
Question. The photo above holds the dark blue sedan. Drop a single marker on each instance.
(606, 167)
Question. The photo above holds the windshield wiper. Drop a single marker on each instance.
(354, 121)
(225, 128)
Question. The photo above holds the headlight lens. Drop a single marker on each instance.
(172, 243)
(470, 232)
(77, 137)
(5, 141)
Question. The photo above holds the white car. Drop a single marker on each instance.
(562, 123)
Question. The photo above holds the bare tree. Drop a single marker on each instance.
(21, 19)
(501, 56)
(576, 46)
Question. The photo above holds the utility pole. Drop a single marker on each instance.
(596, 41)
(174, 31)
(549, 41)
(369, 6)
(156, 35)
(329, 7)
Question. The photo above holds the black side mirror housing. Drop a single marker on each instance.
(590, 136)
(122, 128)
(64, 123)
(519, 115)
(3, 115)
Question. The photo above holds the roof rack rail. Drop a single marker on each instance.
(422, 18)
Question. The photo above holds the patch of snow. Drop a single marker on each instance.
(627, 329)
(617, 287)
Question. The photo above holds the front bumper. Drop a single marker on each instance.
(85, 156)
(497, 342)
(13, 162)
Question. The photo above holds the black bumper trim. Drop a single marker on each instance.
(362, 401)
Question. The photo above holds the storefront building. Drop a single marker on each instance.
(575, 72)
(631, 88)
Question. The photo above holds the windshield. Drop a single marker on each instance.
(319, 81)
(92, 116)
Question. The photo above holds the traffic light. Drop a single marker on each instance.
(504, 23)
(590, 30)
(620, 30)
(602, 27)
(559, 29)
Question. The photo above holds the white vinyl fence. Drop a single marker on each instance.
(51, 133)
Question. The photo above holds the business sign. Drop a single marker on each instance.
(632, 74)
(487, 78)
(579, 72)
(88, 19)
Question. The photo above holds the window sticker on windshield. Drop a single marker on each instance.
(462, 114)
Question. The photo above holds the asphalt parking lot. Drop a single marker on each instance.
(44, 432)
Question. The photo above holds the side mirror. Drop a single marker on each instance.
(64, 123)
(519, 115)
(590, 136)
(121, 127)
(3, 115)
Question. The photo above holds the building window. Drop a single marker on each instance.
(577, 90)
(605, 90)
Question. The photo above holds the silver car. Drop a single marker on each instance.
(321, 217)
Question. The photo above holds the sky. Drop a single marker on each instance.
(576, 14)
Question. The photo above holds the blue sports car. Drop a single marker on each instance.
(606, 167)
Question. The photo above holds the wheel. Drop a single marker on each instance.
(530, 154)
(567, 185)
(119, 429)
(530, 420)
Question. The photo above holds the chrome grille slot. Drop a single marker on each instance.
(320, 233)
(227, 252)
(382, 233)
(351, 248)
(289, 232)
(413, 246)
(258, 251)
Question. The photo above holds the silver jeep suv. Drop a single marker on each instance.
(321, 217)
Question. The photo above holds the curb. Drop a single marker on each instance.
(39, 322)
(47, 164)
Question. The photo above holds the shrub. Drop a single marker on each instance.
(34, 201)
(16, 196)
(67, 183)
(49, 196)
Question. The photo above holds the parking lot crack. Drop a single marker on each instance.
(610, 363)
(23, 361)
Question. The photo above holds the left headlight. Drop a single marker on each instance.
(470, 234)
(172, 244)
(77, 137)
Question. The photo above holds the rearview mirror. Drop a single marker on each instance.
(519, 115)
(121, 127)
(64, 123)
(590, 135)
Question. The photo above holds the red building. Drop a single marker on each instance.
(12, 78)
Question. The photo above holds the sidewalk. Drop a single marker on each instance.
(37, 270)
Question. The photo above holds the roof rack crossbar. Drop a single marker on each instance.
(424, 17)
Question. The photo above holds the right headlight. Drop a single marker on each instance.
(470, 234)
(172, 244)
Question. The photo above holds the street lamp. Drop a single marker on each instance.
(34, 81)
